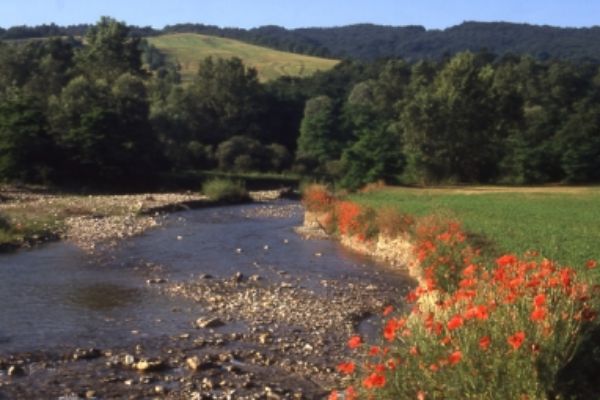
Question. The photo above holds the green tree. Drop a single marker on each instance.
(450, 126)
(103, 131)
(109, 51)
(242, 153)
(319, 139)
(376, 151)
(579, 141)
(227, 100)
(26, 150)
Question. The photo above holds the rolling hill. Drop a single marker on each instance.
(189, 48)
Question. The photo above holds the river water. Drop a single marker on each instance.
(57, 296)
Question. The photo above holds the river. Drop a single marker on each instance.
(58, 297)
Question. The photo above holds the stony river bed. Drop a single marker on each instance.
(217, 303)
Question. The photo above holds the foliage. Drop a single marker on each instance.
(371, 42)
(318, 137)
(113, 107)
(25, 147)
(317, 198)
(225, 190)
(109, 51)
(505, 332)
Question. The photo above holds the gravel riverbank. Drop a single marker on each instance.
(95, 221)
(273, 334)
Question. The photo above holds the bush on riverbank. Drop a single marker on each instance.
(480, 328)
(225, 190)
(4, 229)
(505, 333)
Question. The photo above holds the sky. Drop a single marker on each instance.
(433, 14)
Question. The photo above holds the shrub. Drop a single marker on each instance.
(242, 153)
(4, 223)
(317, 198)
(355, 220)
(225, 190)
(392, 223)
(506, 332)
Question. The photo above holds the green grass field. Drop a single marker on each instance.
(562, 223)
(189, 48)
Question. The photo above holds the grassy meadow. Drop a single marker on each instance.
(562, 223)
(189, 48)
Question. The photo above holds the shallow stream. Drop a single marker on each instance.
(58, 296)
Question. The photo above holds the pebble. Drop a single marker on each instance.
(15, 370)
(207, 322)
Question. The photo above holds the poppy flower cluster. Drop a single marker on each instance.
(478, 328)
(317, 198)
(501, 329)
(508, 333)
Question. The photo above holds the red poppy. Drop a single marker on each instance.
(374, 350)
(538, 314)
(469, 271)
(354, 342)
(446, 340)
(455, 322)
(346, 367)
(507, 259)
(467, 283)
(565, 277)
(391, 364)
(333, 395)
(388, 310)
(455, 357)
(420, 395)
(391, 326)
(591, 264)
(539, 300)
(350, 393)
(516, 340)
(485, 342)
(374, 381)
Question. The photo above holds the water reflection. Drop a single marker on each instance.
(102, 296)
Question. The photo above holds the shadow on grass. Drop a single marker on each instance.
(579, 378)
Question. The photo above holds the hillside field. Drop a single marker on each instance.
(189, 48)
(562, 223)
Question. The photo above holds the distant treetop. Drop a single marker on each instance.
(371, 42)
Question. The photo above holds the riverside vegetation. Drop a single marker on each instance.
(111, 110)
(483, 325)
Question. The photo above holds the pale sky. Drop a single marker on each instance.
(433, 14)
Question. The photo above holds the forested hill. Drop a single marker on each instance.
(369, 42)
(414, 42)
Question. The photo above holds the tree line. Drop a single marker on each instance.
(372, 42)
(115, 111)
(471, 118)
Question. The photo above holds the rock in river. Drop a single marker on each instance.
(207, 322)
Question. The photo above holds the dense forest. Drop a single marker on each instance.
(98, 113)
(371, 42)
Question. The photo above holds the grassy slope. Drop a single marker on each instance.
(561, 223)
(188, 49)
